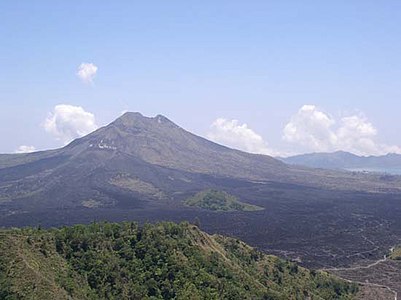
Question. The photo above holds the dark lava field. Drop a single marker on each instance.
(319, 228)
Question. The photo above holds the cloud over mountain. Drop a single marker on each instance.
(68, 122)
(311, 129)
(25, 149)
(233, 134)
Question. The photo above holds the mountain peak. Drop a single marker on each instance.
(129, 118)
(159, 141)
(131, 115)
(136, 119)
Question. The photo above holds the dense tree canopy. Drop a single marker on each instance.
(161, 261)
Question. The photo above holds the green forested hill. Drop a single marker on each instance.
(219, 201)
(162, 261)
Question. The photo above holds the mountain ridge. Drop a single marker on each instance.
(347, 160)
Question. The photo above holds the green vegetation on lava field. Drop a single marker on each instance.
(395, 253)
(219, 201)
(161, 261)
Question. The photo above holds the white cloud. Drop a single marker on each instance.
(86, 72)
(239, 136)
(311, 129)
(25, 149)
(68, 122)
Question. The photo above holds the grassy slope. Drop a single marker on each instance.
(31, 269)
(219, 201)
(170, 261)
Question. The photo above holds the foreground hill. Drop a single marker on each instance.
(390, 163)
(162, 261)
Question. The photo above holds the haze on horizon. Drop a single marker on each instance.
(276, 78)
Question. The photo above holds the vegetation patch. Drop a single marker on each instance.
(91, 203)
(125, 181)
(395, 253)
(219, 201)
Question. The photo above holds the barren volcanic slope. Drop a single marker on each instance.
(140, 168)
(147, 158)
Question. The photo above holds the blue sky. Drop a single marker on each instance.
(302, 75)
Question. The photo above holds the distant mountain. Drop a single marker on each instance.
(161, 261)
(390, 163)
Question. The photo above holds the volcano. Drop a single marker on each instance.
(139, 162)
